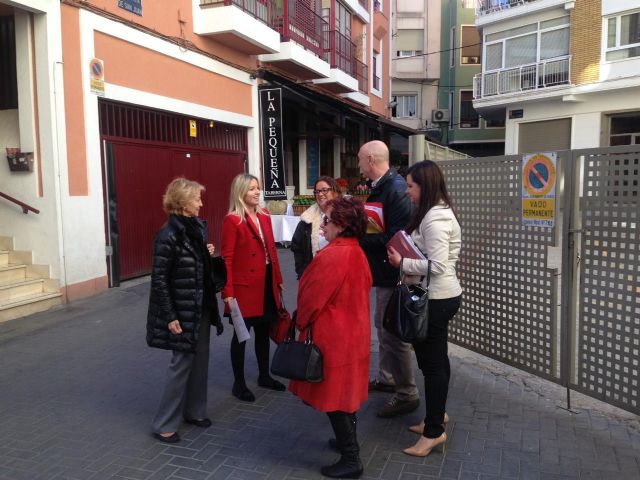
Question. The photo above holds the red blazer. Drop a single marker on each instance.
(244, 256)
(333, 294)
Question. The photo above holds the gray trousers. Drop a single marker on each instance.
(395, 366)
(185, 393)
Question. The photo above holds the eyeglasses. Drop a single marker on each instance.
(323, 191)
(326, 221)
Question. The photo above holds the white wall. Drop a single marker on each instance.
(9, 137)
(37, 233)
(589, 127)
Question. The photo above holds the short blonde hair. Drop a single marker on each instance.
(239, 188)
(178, 194)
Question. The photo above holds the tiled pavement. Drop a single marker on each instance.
(78, 387)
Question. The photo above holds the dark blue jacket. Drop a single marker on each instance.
(391, 191)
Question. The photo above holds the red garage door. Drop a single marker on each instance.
(138, 166)
(141, 177)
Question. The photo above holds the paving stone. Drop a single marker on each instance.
(87, 415)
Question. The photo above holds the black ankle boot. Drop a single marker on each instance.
(349, 465)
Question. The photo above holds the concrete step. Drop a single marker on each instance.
(11, 273)
(14, 291)
(4, 257)
(29, 305)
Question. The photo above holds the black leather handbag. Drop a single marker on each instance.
(298, 360)
(407, 313)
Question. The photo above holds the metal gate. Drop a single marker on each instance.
(563, 302)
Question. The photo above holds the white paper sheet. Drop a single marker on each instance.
(238, 322)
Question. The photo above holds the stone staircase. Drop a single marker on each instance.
(24, 288)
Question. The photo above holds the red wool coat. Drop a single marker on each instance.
(244, 256)
(334, 296)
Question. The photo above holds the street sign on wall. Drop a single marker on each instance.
(133, 6)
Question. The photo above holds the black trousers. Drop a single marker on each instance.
(433, 360)
(260, 326)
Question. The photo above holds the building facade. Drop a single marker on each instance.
(103, 102)
(455, 120)
(563, 74)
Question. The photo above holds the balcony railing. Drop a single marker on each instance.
(297, 22)
(362, 74)
(261, 9)
(523, 78)
(483, 7)
(340, 52)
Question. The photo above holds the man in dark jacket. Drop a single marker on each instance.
(395, 370)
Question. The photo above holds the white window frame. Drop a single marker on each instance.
(404, 95)
(634, 135)
(538, 32)
(605, 36)
(377, 73)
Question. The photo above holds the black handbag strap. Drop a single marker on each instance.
(291, 333)
(421, 278)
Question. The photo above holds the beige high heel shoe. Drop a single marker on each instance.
(420, 427)
(425, 445)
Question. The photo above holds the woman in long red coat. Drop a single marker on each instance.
(333, 300)
(253, 278)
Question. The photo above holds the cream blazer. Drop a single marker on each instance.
(439, 237)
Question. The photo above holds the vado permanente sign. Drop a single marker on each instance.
(272, 153)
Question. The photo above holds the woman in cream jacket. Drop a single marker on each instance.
(435, 230)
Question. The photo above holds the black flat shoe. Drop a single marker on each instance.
(202, 422)
(271, 384)
(241, 392)
(173, 438)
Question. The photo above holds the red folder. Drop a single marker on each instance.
(403, 244)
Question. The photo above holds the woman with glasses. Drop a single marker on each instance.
(253, 278)
(307, 241)
(333, 301)
(435, 230)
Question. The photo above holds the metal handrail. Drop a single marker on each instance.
(485, 7)
(262, 10)
(296, 21)
(533, 76)
(25, 208)
(362, 74)
(340, 51)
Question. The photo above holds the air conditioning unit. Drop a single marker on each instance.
(440, 115)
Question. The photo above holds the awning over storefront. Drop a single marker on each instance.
(322, 106)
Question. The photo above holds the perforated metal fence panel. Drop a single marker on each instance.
(509, 302)
(607, 334)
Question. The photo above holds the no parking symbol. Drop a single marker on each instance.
(539, 189)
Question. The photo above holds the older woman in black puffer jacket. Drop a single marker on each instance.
(182, 306)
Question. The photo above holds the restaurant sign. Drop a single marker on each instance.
(272, 151)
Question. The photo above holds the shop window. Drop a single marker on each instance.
(8, 78)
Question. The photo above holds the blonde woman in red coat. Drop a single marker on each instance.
(253, 278)
(333, 299)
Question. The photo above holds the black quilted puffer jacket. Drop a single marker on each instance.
(177, 288)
